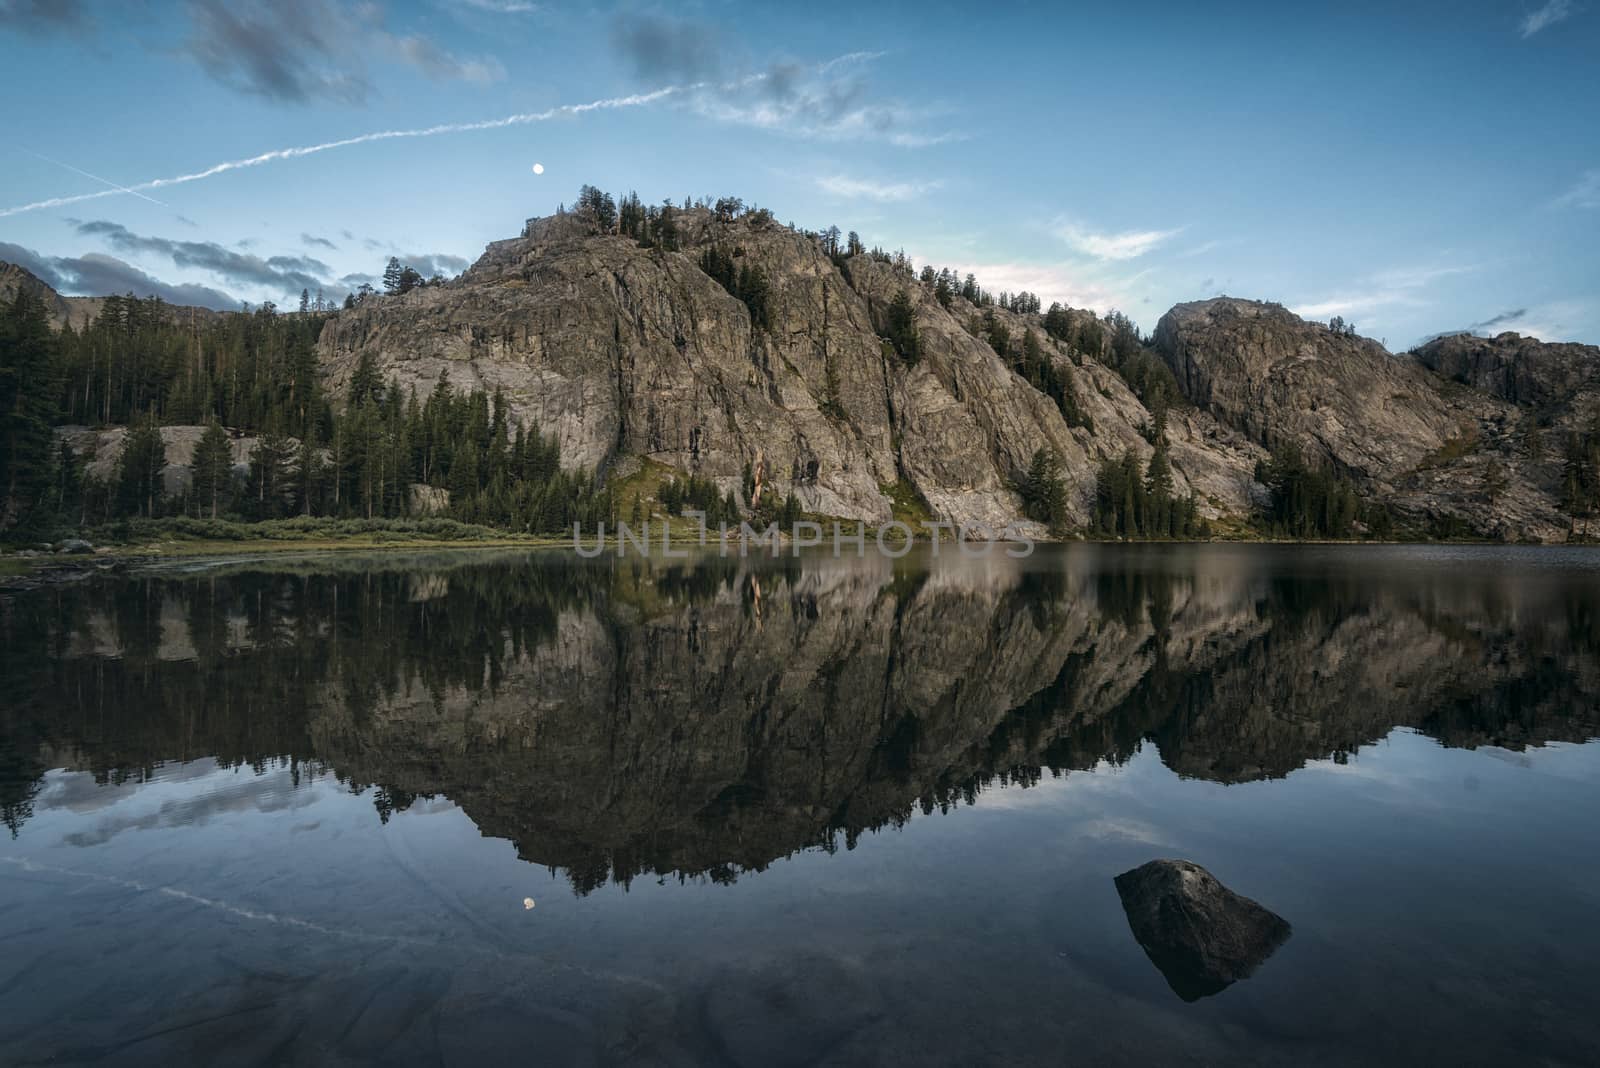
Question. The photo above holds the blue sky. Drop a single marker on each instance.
(1413, 167)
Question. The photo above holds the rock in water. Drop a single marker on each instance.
(1201, 935)
(76, 547)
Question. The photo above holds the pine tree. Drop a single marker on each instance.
(271, 473)
(464, 481)
(213, 468)
(365, 383)
(1043, 490)
(144, 458)
(900, 328)
(392, 274)
(67, 489)
(28, 388)
(1158, 492)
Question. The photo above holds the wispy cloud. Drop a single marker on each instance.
(1404, 278)
(94, 177)
(442, 66)
(822, 102)
(1561, 320)
(660, 49)
(318, 242)
(40, 17)
(1504, 319)
(563, 111)
(277, 274)
(840, 185)
(1353, 303)
(831, 100)
(1584, 194)
(1395, 287)
(1552, 12)
(1127, 245)
(1072, 285)
(301, 51)
(502, 7)
(1203, 249)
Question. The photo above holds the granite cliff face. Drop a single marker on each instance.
(1521, 370)
(628, 352)
(1464, 431)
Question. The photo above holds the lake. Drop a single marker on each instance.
(472, 807)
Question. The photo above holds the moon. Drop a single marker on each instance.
(538, 168)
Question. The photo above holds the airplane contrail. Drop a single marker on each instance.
(96, 177)
(636, 100)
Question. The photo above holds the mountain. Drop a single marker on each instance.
(748, 343)
(1463, 431)
(627, 352)
(14, 278)
(76, 312)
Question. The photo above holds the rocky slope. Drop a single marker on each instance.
(1464, 430)
(1517, 369)
(76, 312)
(102, 448)
(630, 352)
(627, 353)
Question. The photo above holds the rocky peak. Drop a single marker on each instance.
(1522, 370)
(1345, 399)
(627, 352)
(14, 277)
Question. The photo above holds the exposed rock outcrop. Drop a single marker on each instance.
(1278, 378)
(103, 449)
(1522, 370)
(626, 351)
(1203, 936)
(1433, 435)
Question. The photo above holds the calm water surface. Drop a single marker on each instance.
(799, 812)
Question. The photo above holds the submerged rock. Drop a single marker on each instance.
(1201, 935)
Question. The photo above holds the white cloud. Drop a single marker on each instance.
(1554, 11)
(1201, 250)
(503, 7)
(917, 140)
(1069, 284)
(1127, 245)
(1585, 194)
(840, 185)
(1395, 287)
(828, 101)
(1417, 277)
(1561, 320)
(1353, 302)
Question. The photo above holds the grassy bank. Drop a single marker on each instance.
(188, 536)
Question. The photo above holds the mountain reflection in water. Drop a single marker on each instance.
(708, 717)
(292, 812)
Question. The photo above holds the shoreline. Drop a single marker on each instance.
(21, 569)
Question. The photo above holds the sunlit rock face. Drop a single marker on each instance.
(623, 351)
(711, 716)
